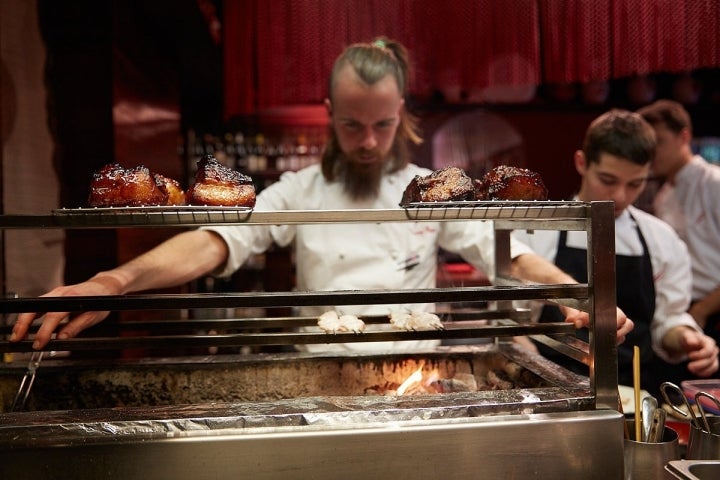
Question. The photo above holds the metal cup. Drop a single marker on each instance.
(704, 445)
(646, 461)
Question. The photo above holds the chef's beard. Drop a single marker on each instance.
(361, 181)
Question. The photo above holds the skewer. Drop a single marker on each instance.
(636, 388)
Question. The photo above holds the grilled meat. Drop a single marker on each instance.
(217, 185)
(116, 186)
(444, 185)
(510, 183)
(175, 193)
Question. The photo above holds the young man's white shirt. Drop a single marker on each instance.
(692, 207)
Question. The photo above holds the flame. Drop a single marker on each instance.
(413, 379)
(419, 382)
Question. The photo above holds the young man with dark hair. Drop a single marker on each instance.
(653, 277)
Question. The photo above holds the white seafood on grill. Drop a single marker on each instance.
(415, 320)
(331, 322)
(401, 320)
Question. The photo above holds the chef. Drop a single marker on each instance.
(365, 165)
(653, 276)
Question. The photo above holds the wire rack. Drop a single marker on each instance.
(117, 217)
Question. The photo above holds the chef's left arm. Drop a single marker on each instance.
(676, 336)
(475, 241)
(707, 306)
(532, 267)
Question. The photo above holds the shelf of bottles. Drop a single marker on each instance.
(262, 155)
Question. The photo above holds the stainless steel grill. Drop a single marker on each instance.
(554, 423)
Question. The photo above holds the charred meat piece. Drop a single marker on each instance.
(217, 185)
(116, 186)
(510, 183)
(175, 193)
(446, 185)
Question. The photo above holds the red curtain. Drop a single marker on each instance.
(575, 45)
(280, 52)
(297, 42)
(287, 47)
(238, 57)
(474, 44)
(664, 35)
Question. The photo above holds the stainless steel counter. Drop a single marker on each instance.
(587, 445)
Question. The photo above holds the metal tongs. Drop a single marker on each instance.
(712, 398)
(27, 381)
(674, 404)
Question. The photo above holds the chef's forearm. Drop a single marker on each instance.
(705, 307)
(535, 268)
(176, 261)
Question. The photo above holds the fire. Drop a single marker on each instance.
(415, 378)
(419, 382)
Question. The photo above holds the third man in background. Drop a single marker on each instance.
(689, 201)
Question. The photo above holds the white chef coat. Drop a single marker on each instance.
(692, 207)
(360, 256)
(670, 264)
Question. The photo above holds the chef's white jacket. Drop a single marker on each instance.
(670, 264)
(692, 207)
(360, 256)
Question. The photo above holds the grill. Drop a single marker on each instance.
(325, 415)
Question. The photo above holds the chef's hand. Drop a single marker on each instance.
(702, 352)
(76, 322)
(582, 320)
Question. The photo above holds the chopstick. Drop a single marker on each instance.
(636, 388)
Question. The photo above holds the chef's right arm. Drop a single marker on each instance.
(217, 250)
(176, 261)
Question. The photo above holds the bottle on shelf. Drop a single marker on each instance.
(208, 144)
(241, 154)
(228, 145)
(281, 154)
(251, 155)
(261, 150)
(301, 150)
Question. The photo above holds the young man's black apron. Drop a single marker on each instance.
(635, 290)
